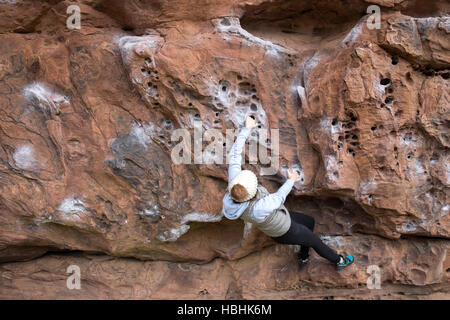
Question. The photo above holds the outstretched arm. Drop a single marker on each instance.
(235, 156)
(265, 206)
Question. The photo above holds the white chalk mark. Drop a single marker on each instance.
(232, 26)
(201, 217)
(173, 234)
(44, 98)
(24, 157)
(72, 207)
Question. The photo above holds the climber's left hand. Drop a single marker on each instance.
(250, 123)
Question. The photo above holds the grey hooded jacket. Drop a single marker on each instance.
(263, 207)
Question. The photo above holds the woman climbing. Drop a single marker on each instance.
(248, 200)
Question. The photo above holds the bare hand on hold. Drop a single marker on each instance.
(250, 123)
(293, 175)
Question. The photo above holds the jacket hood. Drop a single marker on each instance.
(233, 210)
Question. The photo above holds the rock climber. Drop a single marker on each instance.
(248, 200)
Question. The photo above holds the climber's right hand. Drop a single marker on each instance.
(250, 123)
(293, 175)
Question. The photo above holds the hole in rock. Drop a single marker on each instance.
(253, 107)
(394, 60)
(445, 75)
(409, 77)
(355, 137)
(225, 22)
(252, 116)
(408, 136)
(217, 114)
(127, 28)
(148, 60)
(385, 81)
(388, 100)
(334, 122)
(373, 128)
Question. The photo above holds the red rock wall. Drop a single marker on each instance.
(85, 133)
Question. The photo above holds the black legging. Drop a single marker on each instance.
(301, 233)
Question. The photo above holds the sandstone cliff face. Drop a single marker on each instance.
(86, 125)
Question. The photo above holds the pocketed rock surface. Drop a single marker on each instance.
(90, 123)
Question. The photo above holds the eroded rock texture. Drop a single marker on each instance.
(86, 125)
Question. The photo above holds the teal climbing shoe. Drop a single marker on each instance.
(348, 260)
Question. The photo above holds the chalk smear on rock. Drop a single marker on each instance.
(24, 158)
